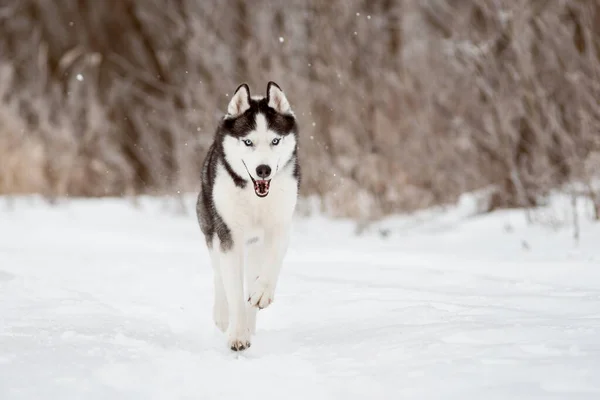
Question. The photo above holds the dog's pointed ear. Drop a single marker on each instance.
(276, 99)
(240, 102)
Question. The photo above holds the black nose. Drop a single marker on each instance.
(263, 171)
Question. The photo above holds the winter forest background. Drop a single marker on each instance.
(402, 104)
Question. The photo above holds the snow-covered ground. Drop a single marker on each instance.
(100, 299)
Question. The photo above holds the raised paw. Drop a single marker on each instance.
(262, 295)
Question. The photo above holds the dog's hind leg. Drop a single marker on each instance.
(262, 291)
(254, 261)
(220, 310)
(232, 272)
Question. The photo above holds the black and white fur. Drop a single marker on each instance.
(250, 182)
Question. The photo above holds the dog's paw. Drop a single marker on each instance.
(261, 295)
(239, 339)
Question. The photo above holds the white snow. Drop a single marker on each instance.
(101, 299)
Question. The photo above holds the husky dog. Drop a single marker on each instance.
(250, 182)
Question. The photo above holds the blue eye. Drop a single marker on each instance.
(275, 141)
(247, 142)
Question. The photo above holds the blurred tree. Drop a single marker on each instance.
(402, 103)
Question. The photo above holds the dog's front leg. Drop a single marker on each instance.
(232, 273)
(262, 292)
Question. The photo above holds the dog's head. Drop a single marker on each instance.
(259, 135)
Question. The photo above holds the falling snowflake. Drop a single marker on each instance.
(79, 77)
(281, 39)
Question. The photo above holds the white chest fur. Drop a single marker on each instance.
(248, 215)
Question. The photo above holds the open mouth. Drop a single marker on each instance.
(261, 187)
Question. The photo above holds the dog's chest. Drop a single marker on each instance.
(243, 211)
